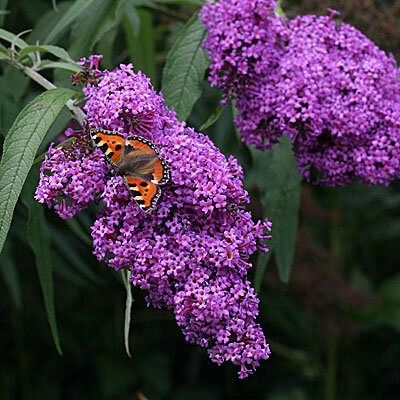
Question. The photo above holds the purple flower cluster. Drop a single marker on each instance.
(332, 90)
(191, 260)
(71, 176)
(191, 254)
(241, 42)
(131, 107)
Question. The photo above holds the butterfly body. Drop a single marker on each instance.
(138, 161)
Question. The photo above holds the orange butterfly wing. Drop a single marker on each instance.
(145, 193)
(112, 144)
(141, 181)
(160, 169)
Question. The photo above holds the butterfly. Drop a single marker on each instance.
(138, 161)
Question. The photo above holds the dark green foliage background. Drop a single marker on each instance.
(334, 328)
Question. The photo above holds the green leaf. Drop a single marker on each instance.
(20, 146)
(133, 19)
(68, 18)
(106, 46)
(276, 173)
(10, 37)
(141, 42)
(55, 50)
(91, 26)
(184, 70)
(39, 239)
(60, 65)
(48, 20)
(213, 118)
(111, 18)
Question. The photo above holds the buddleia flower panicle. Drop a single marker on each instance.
(71, 176)
(345, 118)
(240, 42)
(331, 89)
(192, 253)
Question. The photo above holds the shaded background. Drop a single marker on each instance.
(334, 329)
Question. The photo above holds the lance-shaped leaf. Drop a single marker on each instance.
(91, 26)
(68, 18)
(141, 41)
(48, 20)
(20, 147)
(55, 50)
(184, 70)
(73, 68)
(276, 173)
(39, 239)
(212, 119)
(12, 38)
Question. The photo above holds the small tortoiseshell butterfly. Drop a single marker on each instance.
(137, 161)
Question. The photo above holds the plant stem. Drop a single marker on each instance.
(78, 113)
